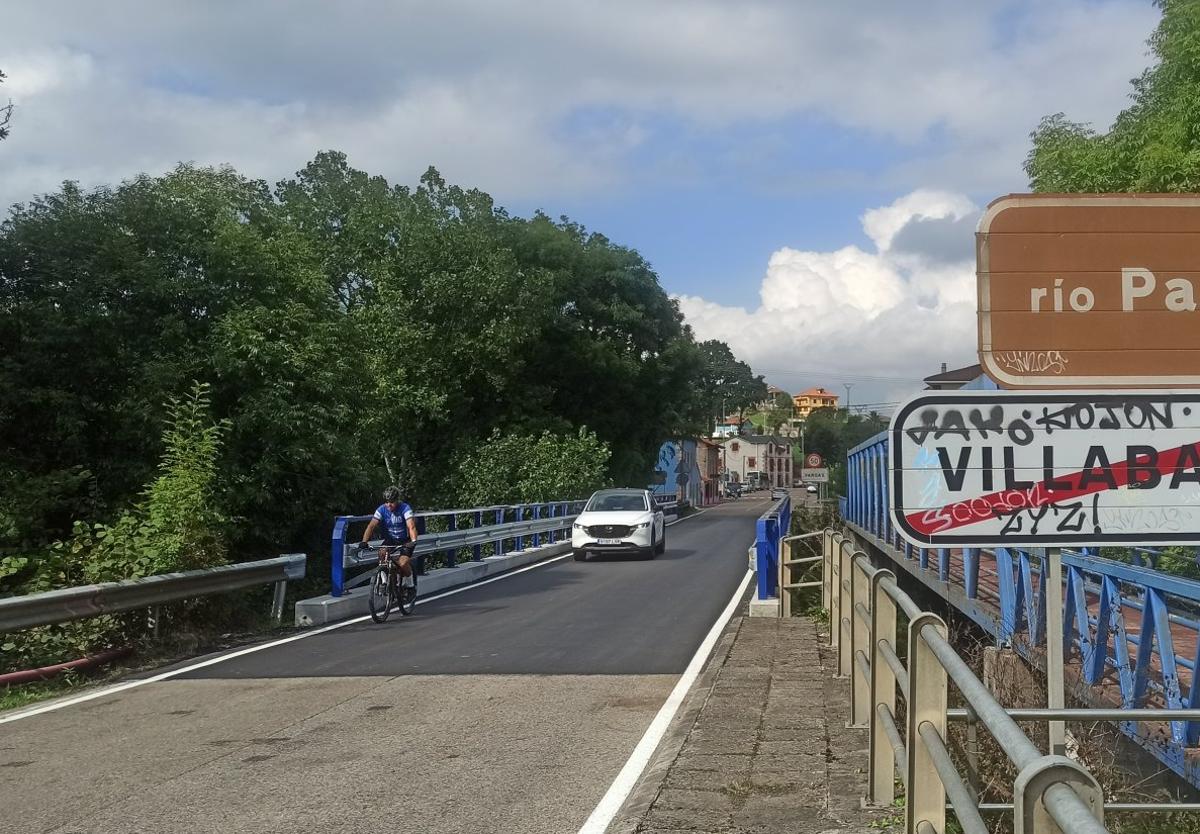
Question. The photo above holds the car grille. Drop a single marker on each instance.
(609, 531)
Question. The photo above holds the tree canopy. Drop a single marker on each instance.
(348, 333)
(1154, 144)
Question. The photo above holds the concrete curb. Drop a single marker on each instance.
(327, 609)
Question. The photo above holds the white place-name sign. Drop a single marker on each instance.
(985, 468)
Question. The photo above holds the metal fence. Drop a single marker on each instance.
(1131, 635)
(113, 597)
(445, 535)
(1051, 793)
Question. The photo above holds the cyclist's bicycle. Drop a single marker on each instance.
(387, 589)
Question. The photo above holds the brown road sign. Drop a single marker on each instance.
(1090, 291)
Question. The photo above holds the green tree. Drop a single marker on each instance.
(781, 410)
(1154, 144)
(509, 469)
(728, 385)
(110, 300)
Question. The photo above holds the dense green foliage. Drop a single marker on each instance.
(174, 526)
(1154, 145)
(315, 342)
(727, 385)
(833, 432)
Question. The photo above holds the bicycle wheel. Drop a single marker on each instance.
(379, 595)
(408, 595)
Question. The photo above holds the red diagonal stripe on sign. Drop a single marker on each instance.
(985, 507)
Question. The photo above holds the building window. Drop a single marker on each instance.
(733, 447)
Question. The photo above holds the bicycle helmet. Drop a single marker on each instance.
(391, 494)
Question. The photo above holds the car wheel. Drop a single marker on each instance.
(580, 555)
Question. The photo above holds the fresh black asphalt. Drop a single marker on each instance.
(612, 616)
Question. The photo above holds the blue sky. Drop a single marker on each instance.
(771, 159)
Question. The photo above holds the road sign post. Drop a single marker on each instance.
(1055, 686)
(1075, 292)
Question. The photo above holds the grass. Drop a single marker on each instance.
(14, 697)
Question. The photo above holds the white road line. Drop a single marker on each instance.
(617, 792)
(121, 687)
(162, 676)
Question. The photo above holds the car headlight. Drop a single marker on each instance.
(641, 526)
(576, 526)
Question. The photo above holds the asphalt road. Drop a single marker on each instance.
(505, 708)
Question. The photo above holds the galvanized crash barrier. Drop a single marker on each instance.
(59, 606)
(1051, 793)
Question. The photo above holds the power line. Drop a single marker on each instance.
(838, 374)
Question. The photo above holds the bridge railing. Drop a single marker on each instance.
(865, 604)
(770, 530)
(1131, 634)
(444, 535)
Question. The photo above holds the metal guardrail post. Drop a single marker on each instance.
(860, 641)
(926, 704)
(477, 550)
(845, 611)
(883, 692)
(451, 553)
(826, 574)
(337, 556)
(1043, 798)
(785, 598)
(835, 595)
(276, 602)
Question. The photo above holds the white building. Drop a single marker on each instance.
(758, 457)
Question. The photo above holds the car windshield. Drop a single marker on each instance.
(615, 502)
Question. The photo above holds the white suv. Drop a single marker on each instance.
(619, 521)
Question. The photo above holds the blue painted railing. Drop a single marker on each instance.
(770, 529)
(449, 520)
(1103, 600)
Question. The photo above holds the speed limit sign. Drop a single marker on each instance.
(812, 460)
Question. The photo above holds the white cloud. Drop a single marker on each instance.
(490, 93)
(880, 320)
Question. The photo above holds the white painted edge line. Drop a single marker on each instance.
(121, 687)
(686, 517)
(602, 815)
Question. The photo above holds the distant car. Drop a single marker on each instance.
(623, 521)
(779, 492)
(811, 489)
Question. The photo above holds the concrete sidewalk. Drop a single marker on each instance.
(761, 745)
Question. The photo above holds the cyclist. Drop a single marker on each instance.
(399, 532)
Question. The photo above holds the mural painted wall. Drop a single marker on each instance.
(677, 471)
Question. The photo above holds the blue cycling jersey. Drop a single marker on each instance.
(395, 524)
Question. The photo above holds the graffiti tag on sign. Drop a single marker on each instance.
(981, 468)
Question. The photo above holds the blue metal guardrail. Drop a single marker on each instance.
(1144, 665)
(476, 518)
(772, 526)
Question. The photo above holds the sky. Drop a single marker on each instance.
(805, 176)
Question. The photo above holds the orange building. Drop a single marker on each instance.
(806, 401)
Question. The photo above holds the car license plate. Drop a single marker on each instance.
(608, 541)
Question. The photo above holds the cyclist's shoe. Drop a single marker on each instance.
(408, 593)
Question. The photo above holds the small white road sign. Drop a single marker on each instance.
(983, 468)
(814, 476)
